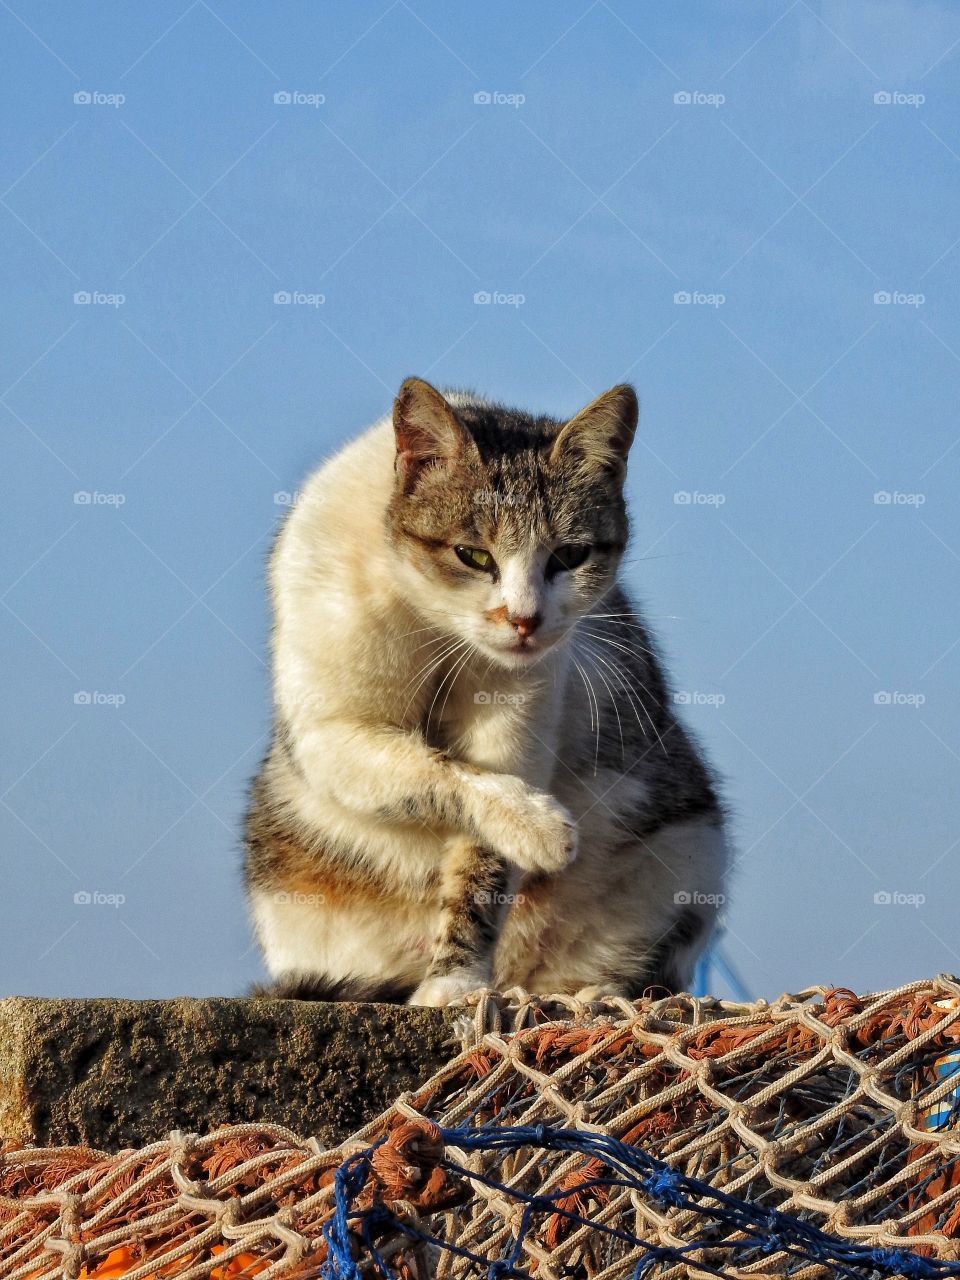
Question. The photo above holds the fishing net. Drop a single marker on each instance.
(814, 1136)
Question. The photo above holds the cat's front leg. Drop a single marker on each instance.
(475, 896)
(512, 742)
(386, 773)
(512, 735)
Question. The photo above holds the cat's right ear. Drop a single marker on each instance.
(426, 429)
(602, 433)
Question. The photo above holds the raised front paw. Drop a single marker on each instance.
(539, 835)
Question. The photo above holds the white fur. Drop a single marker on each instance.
(356, 630)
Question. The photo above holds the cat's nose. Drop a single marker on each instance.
(525, 626)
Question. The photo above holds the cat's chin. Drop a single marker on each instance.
(519, 657)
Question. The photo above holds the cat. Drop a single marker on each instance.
(475, 776)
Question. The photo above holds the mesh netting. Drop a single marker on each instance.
(818, 1135)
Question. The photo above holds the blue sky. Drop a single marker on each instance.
(784, 166)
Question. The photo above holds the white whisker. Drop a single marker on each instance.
(594, 717)
(614, 644)
(629, 646)
(428, 669)
(416, 631)
(454, 670)
(590, 617)
(471, 650)
(618, 672)
(593, 658)
(435, 640)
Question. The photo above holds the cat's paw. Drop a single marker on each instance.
(600, 991)
(439, 991)
(540, 835)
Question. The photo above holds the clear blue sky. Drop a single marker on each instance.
(782, 196)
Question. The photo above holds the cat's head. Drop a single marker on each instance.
(507, 528)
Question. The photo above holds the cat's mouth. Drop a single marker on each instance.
(526, 650)
(519, 650)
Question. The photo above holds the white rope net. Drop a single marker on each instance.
(839, 1110)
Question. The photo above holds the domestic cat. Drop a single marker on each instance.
(475, 776)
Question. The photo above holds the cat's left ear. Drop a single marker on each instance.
(602, 433)
(426, 429)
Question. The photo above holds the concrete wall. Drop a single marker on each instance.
(122, 1073)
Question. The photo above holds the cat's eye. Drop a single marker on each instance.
(476, 558)
(567, 557)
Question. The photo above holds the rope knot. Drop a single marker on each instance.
(664, 1187)
(901, 1262)
(182, 1149)
(228, 1212)
(73, 1261)
(406, 1165)
(181, 1146)
(71, 1215)
(771, 1244)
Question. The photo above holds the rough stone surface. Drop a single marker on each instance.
(122, 1073)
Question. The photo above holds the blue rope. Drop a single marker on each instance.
(767, 1231)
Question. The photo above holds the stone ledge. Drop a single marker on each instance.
(122, 1073)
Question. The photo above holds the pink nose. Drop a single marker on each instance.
(525, 626)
